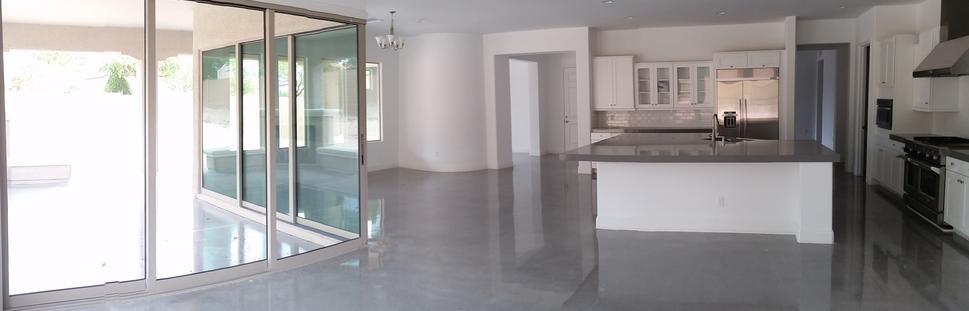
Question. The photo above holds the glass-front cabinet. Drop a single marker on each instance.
(684, 85)
(694, 85)
(654, 87)
(704, 85)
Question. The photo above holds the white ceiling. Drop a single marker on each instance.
(486, 16)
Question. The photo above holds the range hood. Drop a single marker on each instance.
(951, 57)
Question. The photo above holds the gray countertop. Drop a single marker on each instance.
(692, 148)
(650, 130)
(961, 152)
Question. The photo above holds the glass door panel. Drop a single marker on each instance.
(74, 132)
(196, 235)
(326, 156)
(253, 123)
(644, 85)
(704, 85)
(663, 86)
(684, 86)
(220, 120)
(283, 125)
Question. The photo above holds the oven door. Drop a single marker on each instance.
(923, 184)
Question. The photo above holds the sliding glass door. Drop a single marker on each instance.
(190, 154)
(322, 135)
(211, 231)
(74, 137)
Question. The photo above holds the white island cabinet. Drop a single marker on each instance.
(682, 183)
(956, 192)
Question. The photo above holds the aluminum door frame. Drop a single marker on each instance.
(150, 284)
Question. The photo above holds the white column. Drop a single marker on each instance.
(815, 202)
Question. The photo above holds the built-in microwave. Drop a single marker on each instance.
(883, 114)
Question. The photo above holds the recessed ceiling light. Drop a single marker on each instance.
(629, 18)
(722, 13)
(843, 6)
(374, 20)
(608, 1)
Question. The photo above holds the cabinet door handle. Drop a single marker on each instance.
(960, 181)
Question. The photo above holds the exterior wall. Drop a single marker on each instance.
(128, 41)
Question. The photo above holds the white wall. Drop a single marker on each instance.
(525, 108)
(441, 124)
(785, 109)
(383, 154)
(829, 98)
(805, 111)
(873, 26)
(826, 31)
(697, 43)
(497, 48)
(688, 43)
(837, 31)
(552, 99)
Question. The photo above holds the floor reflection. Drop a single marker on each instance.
(524, 239)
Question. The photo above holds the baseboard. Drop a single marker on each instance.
(815, 236)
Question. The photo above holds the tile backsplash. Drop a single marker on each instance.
(699, 118)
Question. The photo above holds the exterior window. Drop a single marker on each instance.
(374, 126)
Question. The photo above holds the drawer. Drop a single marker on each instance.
(957, 166)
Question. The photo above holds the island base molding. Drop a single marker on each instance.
(792, 198)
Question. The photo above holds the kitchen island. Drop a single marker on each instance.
(684, 182)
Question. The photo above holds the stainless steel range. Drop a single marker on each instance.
(925, 175)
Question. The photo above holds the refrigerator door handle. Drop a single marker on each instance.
(740, 117)
(746, 117)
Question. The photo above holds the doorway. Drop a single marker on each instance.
(862, 147)
(822, 94)
(542, 95)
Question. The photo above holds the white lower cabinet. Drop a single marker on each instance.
(890, 167)
(956, 192)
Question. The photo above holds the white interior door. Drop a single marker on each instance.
(570, 111)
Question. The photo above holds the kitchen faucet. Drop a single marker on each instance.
(716, 127)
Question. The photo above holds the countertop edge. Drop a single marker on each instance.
(959, 154)
(702, 159)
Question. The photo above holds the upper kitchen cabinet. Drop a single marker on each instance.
(893, 69)
(731, 60)
(764, 59)
(654, 86)
(613, 85)
(887, 76)
(751, 59)
(694, 85)
(932, 94)
(666, 86)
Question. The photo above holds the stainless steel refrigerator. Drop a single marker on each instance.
(747, 102)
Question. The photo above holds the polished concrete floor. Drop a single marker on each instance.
(524, 239)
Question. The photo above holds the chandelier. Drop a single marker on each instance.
(390, 40)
